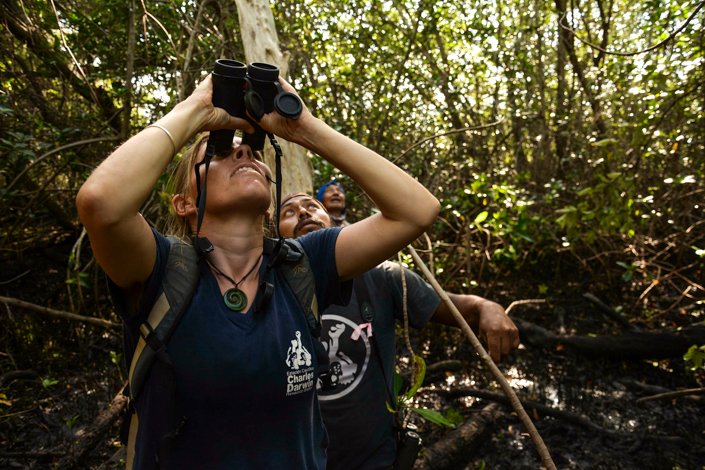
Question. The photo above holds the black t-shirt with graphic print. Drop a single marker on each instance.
(360, 428)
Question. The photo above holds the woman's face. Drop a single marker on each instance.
(240, 180)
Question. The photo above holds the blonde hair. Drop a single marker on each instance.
(180, 183)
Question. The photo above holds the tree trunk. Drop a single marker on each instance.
(586, 84)
(261, 44)
(127, 106)
(562, 106)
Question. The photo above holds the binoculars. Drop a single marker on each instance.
(240, 89)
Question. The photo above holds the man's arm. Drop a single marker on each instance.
(487, 319)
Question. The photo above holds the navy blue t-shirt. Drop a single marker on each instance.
(360, 427)
(245, 383)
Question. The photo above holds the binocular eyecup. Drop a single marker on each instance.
(252, 89)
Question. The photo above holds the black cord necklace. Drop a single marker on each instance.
(234, 298)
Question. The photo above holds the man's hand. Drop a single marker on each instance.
(496, 330)
(487, 319)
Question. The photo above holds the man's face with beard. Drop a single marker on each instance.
(302, 214)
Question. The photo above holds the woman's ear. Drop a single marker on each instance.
(183, 205)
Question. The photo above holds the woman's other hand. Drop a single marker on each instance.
(210, 118)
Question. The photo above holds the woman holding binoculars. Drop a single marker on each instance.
(244, 376)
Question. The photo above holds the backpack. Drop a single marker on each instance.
(178, 285)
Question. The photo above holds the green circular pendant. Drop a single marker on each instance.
(235, 299)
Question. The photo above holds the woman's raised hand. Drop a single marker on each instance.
(289, 129)
(211, 118)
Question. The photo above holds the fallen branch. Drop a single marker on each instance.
(673, 394)
(524, 302)
(457, 392)
(58, 313)
(12, 375)
(91, 436)
(635, 385)
(632, 345)
(561, 414)
(437, 370)
(39, 454)
(442, 366)
(496, 373)
(457, 445)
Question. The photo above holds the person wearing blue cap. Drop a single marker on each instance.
(332, 196)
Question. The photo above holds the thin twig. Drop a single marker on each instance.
(405, 309)
(9, 281)
(73, 57)
(442, 134)
(674, 394)
(57, 150)
(524, 302)
(58, 313)
(628, 54)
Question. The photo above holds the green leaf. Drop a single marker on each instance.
(481, 217)
(420, 373)
(47, 382)
(389, 407)
(6, 111)
(398, 383)
(4, 401)
(70, 422)
(115, 358)
(433, 416)
(604, 142)
(454, 416)
(694, 357)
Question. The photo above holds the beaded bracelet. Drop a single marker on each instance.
(168, 134)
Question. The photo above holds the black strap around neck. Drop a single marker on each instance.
(203, 245)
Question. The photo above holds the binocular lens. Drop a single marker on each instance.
(230, 68)
(264, 72)
(288, 105)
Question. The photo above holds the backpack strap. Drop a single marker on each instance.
(364, 303)
(178, 285)
(296, 269)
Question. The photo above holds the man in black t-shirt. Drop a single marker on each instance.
(360, 428)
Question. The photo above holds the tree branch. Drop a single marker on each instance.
(628, 54)
(58, 313)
